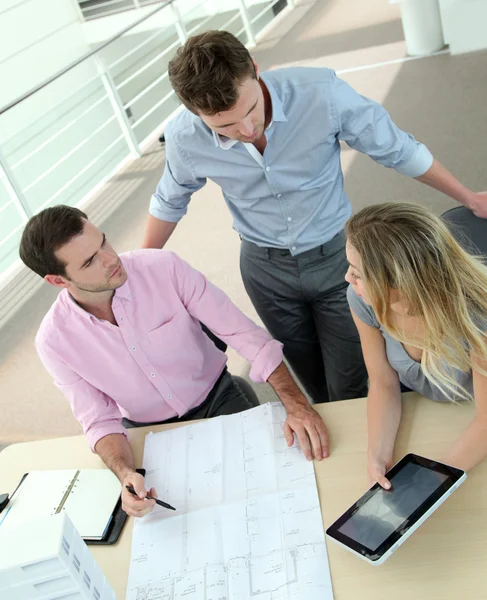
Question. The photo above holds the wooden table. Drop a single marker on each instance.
(445, 559)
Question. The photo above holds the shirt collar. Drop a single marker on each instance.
(222, 141)
(73, 305)
(124, 290)
(277, 116)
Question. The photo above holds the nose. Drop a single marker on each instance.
(247, 127)
(109, 259)
(348, 278)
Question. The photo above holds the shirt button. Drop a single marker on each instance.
(279, 195)
(121, 318)
(134, 348)
(152, 374)
(289, 218)
(267, 169)
(169, 396)
(293, 248)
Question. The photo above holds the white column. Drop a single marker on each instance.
(246, 22)
(421, 22)
(118, 109)
(14, 189)
(178, 23)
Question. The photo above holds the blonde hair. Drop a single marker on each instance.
(405, 247)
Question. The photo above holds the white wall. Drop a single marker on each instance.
(38, 38)
(464, 24)
(97, 31)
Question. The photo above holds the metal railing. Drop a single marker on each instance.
(69, 134)
(93, 9)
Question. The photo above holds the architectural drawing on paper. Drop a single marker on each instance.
(248, 522)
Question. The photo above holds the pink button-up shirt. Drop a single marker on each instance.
(157, 363)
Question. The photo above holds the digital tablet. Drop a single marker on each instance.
(381, 520)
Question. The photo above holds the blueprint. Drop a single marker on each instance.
(248, 522)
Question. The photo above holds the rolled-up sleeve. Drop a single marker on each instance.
(367, 127)
(211, 306)
(177, 184)
(97, 414)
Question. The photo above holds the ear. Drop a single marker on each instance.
(394, 296)
(57, 281)
(256, 67)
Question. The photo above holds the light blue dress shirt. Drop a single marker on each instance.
(291, 197)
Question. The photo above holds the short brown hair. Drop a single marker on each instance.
(208, 70)
(45, 233)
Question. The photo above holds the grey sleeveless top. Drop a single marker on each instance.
(410, 372)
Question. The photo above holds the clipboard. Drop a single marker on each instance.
(73, 491)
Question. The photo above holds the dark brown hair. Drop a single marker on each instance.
(45, 233)
(208, 70)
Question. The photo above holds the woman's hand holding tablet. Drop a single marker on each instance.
(381, 520)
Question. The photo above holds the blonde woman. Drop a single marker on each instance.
(420, 305)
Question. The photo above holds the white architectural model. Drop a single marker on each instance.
(46, 559)
(248, 522)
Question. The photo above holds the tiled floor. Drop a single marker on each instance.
(440, 99)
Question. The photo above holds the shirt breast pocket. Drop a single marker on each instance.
(174, 343)
(165, 336)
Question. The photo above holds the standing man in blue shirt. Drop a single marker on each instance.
(271, 142)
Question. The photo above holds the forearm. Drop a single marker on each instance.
(470, 448)
(116, 453)
(287, 389)
(157, 232)
(384, 408)
(302, 420)
(439, 178)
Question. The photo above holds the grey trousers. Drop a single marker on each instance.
(226, 398)
(302, 302)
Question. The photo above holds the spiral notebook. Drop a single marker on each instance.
(88, 496)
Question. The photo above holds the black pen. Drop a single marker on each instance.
(149, 497)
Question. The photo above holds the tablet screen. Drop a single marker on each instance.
(385, 511)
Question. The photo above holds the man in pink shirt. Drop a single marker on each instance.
(123, 342)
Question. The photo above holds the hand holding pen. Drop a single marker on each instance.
(151, 497)
(136, 502)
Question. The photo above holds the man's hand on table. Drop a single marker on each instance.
(310, 430)
(302, 419)
(136, 506)
(478, 204)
